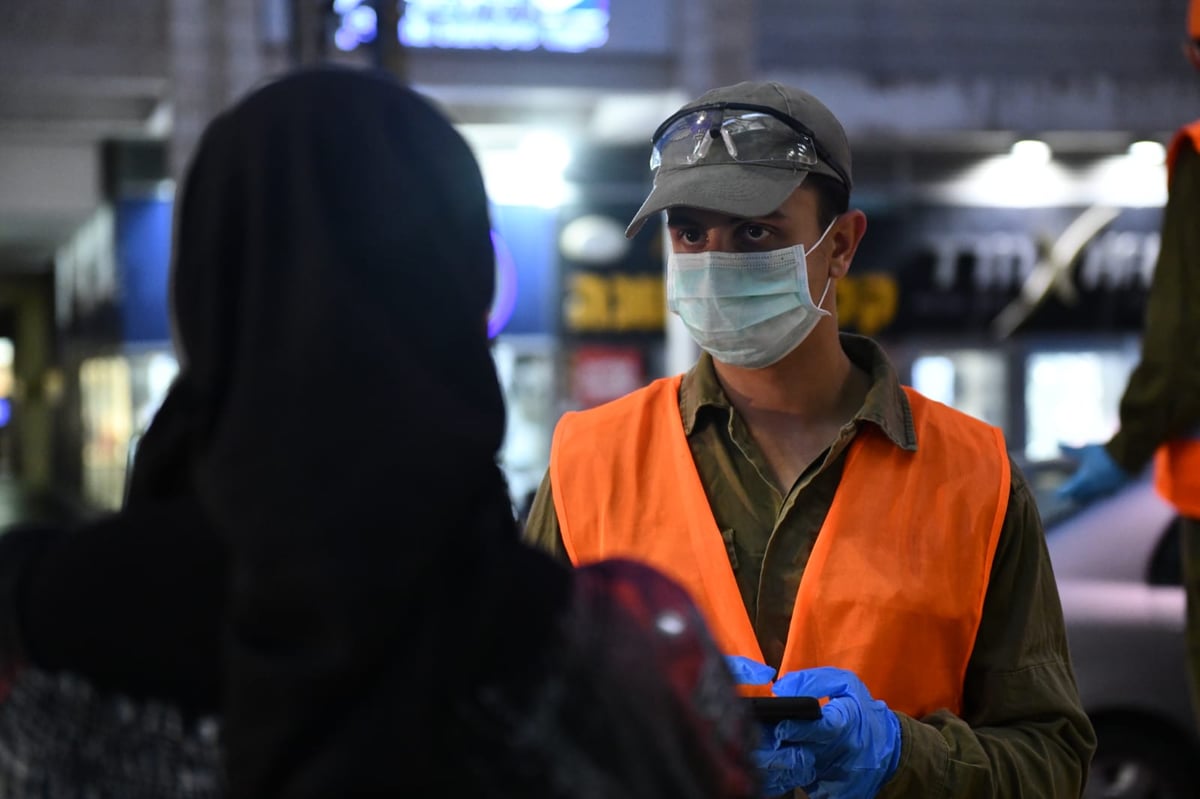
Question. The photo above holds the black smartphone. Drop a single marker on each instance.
(784, 708)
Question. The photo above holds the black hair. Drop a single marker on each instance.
(833, 198)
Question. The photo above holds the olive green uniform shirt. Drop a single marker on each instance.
(1162, 399)
(1023, 731)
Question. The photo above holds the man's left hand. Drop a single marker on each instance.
(854, 746)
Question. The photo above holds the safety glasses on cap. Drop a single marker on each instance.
(748, 134)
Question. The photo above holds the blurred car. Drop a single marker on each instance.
(1117, 562)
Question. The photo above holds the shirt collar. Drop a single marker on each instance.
(886, 405)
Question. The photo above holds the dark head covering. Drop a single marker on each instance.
(332, 275)
(335, 425)
(336, 419)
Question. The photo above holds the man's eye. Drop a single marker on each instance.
(755, 232)
(690, 236)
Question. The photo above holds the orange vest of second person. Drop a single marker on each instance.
(1177, 463)
(895, 584)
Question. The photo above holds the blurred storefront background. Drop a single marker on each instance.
(1008, 157)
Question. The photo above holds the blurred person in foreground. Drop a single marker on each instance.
(844, 535)
(1160, 409)
(318, 547)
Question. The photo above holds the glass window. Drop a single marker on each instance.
(1072, 397)
(972, 381)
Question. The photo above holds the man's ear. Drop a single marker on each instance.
(846, 235)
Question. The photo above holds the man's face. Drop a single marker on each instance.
(794, 222)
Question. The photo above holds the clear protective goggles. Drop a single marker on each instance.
(747, 134)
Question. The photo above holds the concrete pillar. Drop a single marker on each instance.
(215, 55)
(31, 299)
(715, 44)
(390, 53)
(716, 48)
(305, 31)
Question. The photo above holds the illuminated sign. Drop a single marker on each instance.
(603, 373)
(867, 303)
(571, 26)
(620, 303)
(999, 271)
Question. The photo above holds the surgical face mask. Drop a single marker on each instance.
(746, 309)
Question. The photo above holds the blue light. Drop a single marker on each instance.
(361, 21)
(345, 40)
(505, 301)
(5, 411)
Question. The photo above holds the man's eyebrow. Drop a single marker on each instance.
(677, 218)
(681, 218)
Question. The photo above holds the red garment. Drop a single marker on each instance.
(639, 621)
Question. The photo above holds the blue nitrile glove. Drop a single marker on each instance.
(1098, 474)
(782, 767)
(855, 746)
(749, 672)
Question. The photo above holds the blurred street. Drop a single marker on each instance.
(18, 504)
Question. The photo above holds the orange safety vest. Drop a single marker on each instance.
(895, 585)
(1188, 135)
(1177, 462)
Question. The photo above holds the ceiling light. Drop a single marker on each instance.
(1150, 153)
(1031, 151)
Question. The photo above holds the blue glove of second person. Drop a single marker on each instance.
(854, 747)
(1098, 474)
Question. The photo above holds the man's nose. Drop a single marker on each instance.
(718, 240)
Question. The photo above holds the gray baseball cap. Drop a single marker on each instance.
(717, 181)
